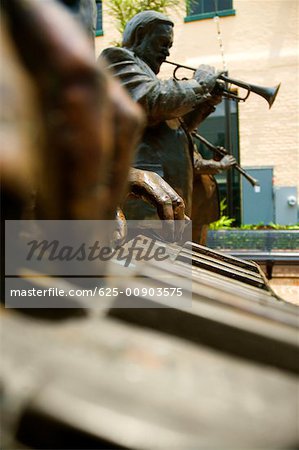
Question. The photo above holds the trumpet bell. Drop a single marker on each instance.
(270, 94)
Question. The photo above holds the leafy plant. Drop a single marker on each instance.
(270, 226)
(124, 10)
(224, 222)
(276, 226)
(253, 226)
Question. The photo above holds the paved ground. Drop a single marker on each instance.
(286, 288)
(285, 282)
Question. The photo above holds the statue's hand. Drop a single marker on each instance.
(170, 206)
(206, 76)
(227, 161)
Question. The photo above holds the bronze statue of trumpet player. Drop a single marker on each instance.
(173, 108)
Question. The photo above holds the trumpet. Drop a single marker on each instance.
(268, 93)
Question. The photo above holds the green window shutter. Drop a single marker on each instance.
(205, 9)
(99, 22)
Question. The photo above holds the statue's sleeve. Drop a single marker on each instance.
(161, 99)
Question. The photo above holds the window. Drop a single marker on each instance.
(99, 22)
(206, 9)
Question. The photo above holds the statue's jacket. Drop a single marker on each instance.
(165, 147)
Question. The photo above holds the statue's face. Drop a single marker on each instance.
(155, 45)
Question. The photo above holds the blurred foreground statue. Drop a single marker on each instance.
(84, 128)
(85, 11)
(80, 140)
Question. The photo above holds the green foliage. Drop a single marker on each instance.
(124, 10)
(292, 227)
(252, 226)
(270, 226)
(224, 222)
(276, 226)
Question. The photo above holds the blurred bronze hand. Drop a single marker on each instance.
(88, 126)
